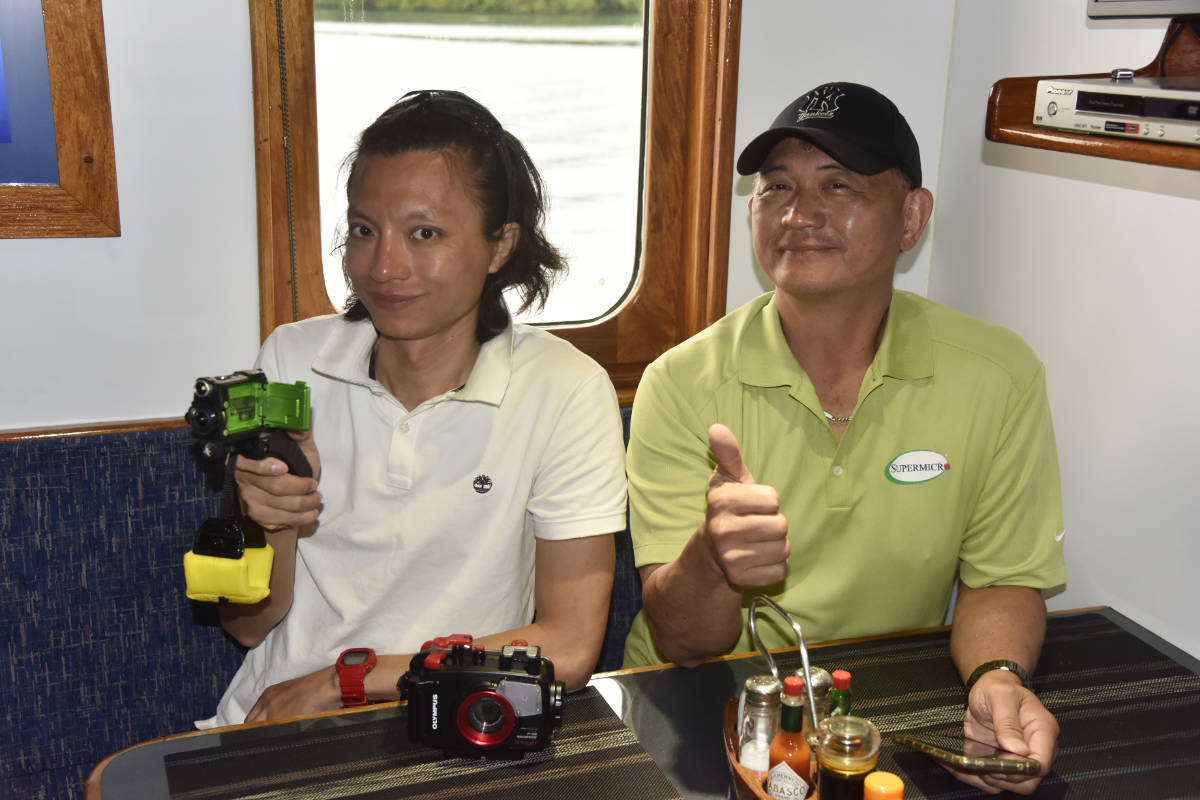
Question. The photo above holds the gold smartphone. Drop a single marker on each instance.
(967, 754)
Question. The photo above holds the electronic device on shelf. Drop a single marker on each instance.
(1151, 109)
(1098, 9)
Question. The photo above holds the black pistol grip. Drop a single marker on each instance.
(284, 447)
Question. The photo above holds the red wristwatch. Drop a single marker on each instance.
(352, 666)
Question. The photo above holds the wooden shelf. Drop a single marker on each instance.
(1010, 112)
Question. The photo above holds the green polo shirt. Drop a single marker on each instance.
(948, 468)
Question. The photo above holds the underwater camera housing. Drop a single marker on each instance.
(476, 702)
(241, 414)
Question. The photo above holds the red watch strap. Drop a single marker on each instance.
(352, 667)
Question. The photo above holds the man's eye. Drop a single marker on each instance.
(774, 187)
(359, 231)
(425, 233)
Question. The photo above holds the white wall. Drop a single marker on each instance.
(98, 330)
(1091, 260)
(1094, 262)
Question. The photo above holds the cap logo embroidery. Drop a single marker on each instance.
(820, 104)
(482, 484)
(916, 466)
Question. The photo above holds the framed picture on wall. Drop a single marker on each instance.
(57, 168)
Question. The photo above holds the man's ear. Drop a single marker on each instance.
(510, 234)
(918, 207)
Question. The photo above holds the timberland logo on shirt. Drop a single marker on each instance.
(916, 466)
(482, 484)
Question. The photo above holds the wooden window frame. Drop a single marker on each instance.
(680, 282)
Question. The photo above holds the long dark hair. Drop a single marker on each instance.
(504, 181)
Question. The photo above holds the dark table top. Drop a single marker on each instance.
(1128, 704)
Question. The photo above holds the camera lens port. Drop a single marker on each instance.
(486, 718)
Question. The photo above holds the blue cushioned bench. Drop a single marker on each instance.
(104, 650)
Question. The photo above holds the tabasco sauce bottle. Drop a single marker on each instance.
(790, 775)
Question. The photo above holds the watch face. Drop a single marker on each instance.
(355, 657)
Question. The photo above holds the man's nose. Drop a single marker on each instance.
(390, 261)
(803, 211)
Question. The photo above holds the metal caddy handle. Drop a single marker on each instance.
(752, 624)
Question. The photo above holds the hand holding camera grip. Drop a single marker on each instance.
(279, 444)
(230, 559)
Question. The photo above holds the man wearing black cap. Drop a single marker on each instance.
(871, 448)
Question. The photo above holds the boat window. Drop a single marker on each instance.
(671, 239)
(568, 86)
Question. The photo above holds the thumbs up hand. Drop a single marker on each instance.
(746, 534)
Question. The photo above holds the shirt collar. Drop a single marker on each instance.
(489, 378)
(763, 355)
(346, 356)
(905, 350)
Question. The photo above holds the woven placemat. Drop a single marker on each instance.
(593, 755)
(1129, 713)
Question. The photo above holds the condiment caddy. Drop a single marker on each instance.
(842, 749)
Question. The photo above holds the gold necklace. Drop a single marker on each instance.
(832, 418)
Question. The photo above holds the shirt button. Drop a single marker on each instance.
(404, 427)
(837, 471)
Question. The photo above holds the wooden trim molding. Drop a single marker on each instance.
(290, 276)
(692, 51)
(98, 429)
(691, 101)
(84, 203)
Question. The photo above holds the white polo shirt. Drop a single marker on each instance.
(430, 515)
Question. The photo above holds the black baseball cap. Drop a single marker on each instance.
(855, 124)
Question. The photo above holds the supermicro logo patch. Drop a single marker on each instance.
(916, 466)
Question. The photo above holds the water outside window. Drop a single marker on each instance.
(571, 93)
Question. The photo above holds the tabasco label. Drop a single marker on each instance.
(784, 783)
